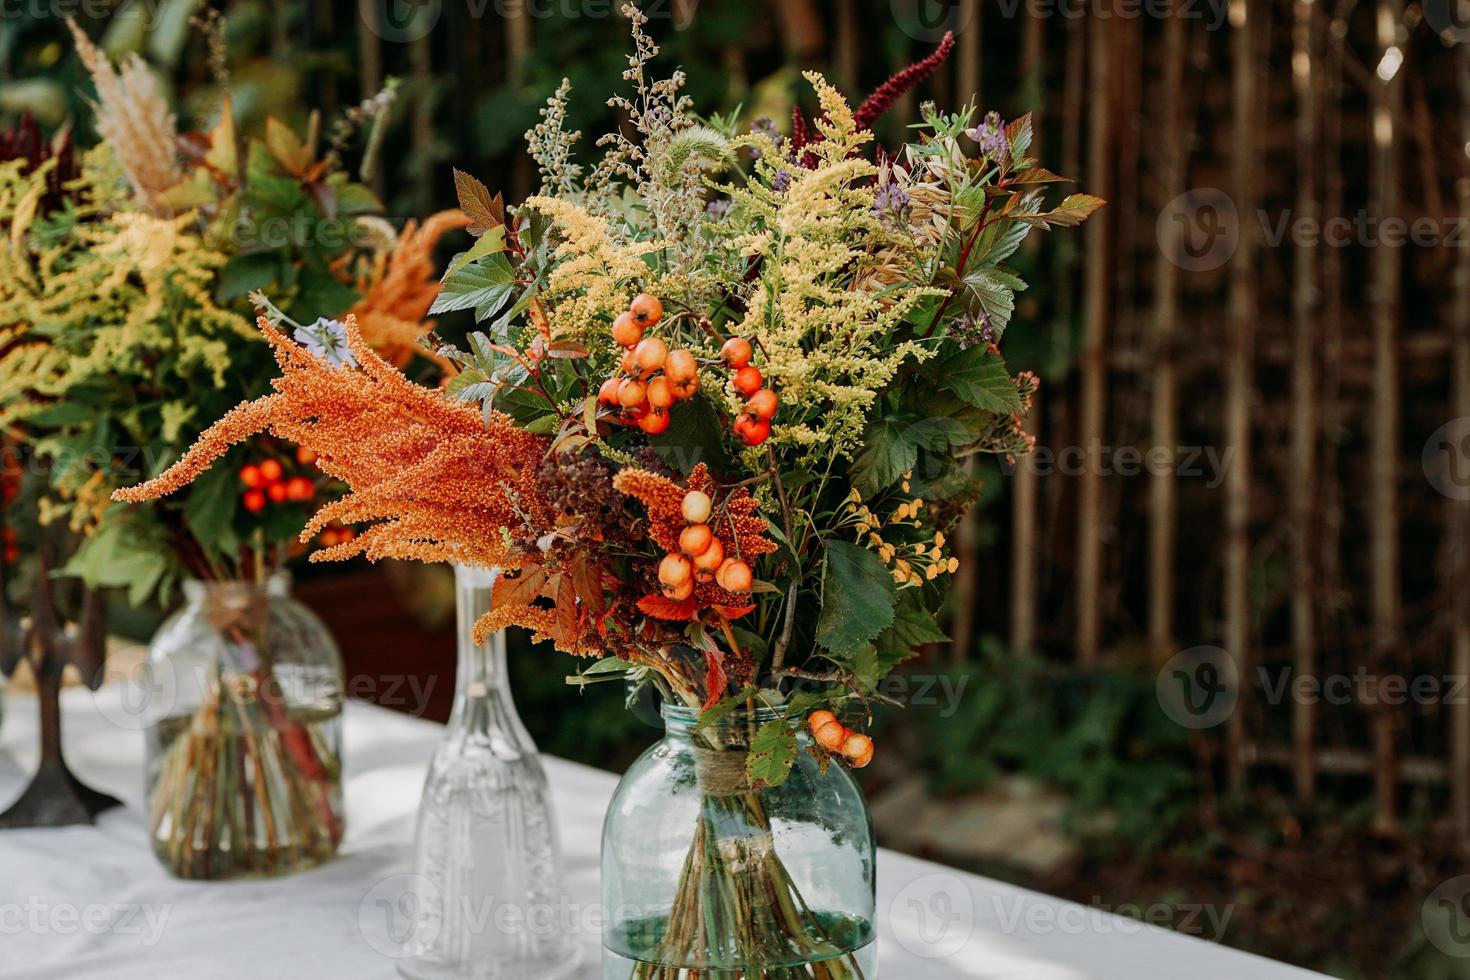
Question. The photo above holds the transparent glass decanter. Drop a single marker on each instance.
(490, 900)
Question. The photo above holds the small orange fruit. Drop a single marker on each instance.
(654, 421)
(751, 430)
(762, 405)
(608, 393)
(675, 569)
(254, 501)
(271, 470)
(632, 393)
(711, 558)
(696, 506)
(735, 576)
(647, 310)
(736, 352)
(696, 539)
(660, 392)
(649, 355)
(748, 380)
(679, 592)
(681, 366)
(626, 331)
(858, 749)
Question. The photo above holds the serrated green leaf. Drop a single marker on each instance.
(491, 242)
(913, 626)
(1074, 209)
(858, 595)
(772, 753)
(483, 286)
(980, 378)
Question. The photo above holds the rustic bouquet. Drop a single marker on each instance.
(714, 429)
(126, 330)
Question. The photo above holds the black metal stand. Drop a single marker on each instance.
(55, 797)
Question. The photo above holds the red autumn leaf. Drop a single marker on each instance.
(662, 607)
(734, 612)
(715, 678)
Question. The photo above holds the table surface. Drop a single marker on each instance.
(84, 902)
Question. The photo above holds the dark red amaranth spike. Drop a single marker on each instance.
(798, 131)
(890, 91)
(875, 105)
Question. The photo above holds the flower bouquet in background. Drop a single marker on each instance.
(715, 428)
(126, 330)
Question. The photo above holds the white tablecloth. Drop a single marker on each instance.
(91, 902)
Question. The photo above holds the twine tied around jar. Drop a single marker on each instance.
(235, 605)
(721, 773)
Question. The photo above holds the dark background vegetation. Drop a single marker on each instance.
(1321, 547)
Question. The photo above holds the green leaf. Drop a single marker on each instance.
(994, 290)
(693, 437)
(889, 451)
(858, 595)
(491, 242)
(1074, 209)
(483, 286)
(913, 626)
(772, 752)
(981, 379)
(244, 274)
(209, 509)
(723, 707)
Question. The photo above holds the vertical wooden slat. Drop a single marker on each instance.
(967, 74)
(1383, 442)
(848, 42)
(1164, 401)
(517, 50)
(1240, 348)
(1459, 516)
(1304, 430)
(1329, 482)
(1097, 311)
(1025, 487)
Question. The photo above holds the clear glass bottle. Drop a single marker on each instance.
(244, 734)
(490, 902)
(704, 878)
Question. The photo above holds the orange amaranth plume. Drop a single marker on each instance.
(433, 479)
(734, 522)
(399, 289)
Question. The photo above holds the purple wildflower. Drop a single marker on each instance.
(782, 181)
(969, 331)
(327, 339)
(990, 136)
(891, 203)
(764, 126)
(718, 208)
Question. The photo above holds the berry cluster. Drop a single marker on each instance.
(754, 424)
(652, 377)
(9, 545)
(267, 482)
(701, 555)
(834, 736)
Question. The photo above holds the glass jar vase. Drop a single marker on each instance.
(488, 884)
(244, 775)
(705, 878)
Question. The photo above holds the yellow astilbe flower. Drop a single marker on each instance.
(595, 276)
(825, 340)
